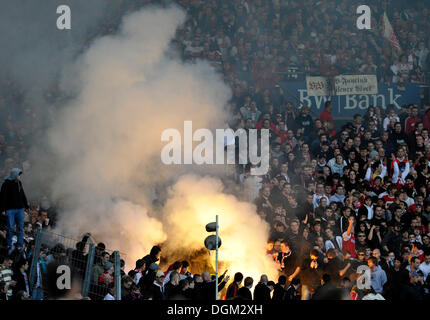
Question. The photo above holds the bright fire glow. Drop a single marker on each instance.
(194, 202)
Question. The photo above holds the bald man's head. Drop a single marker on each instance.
(264, 279)
(206, 276)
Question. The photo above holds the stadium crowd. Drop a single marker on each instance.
(337, 197)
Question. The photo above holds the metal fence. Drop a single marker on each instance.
(71, 267)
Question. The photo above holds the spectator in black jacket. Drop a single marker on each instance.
(234, 286)
(392, 239)
(304, 121)
(279, 291)
(325, 288)
(12, 203)
(146, 281)
(245, 291)
(3, 291)
(21, 277)
(262, 290)
(397, 280)
(189, 291)
(79, 258)
(293, 292)
(415, 289)
(157, 288)
(172, 287)
(207, 287)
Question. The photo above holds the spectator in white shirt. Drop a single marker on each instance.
(425, 266)
(111, 292)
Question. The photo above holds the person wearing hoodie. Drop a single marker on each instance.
(377, 275)
(12, 204)
(153, 256)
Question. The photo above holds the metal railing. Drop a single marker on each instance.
(86, 269)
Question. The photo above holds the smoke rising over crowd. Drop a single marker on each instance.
(104, 146)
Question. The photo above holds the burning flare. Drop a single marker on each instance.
(195, 201)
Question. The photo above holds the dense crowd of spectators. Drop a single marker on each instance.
(258, 43)
(335, 198)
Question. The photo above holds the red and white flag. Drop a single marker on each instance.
(389, 33)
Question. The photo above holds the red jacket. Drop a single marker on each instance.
(282, 134)
(410, 124)
(354, 295)
(327, 116)
(102, 278)
(259, 125)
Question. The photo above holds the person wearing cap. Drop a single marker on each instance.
(157, 288)
(13, 201)
(100, 248)
(145, 282)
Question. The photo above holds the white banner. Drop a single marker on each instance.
(344, 85)
(317, 86)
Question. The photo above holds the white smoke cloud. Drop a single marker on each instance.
(107, 140)
(107, 144)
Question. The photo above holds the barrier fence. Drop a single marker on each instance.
(80, 268)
